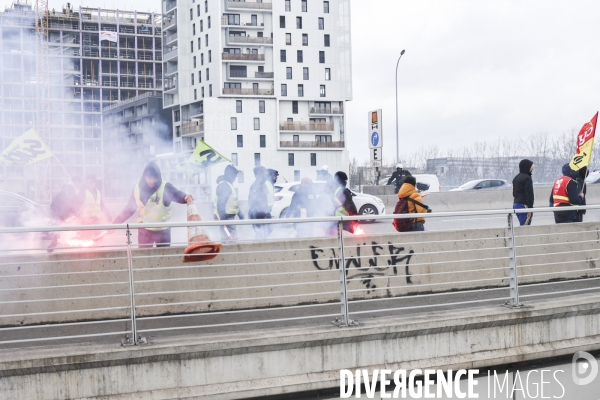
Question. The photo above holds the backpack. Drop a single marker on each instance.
(405, 224)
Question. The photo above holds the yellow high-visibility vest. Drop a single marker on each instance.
(91, 207)
(232, 206)
(154, 210)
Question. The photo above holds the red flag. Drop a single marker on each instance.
(585, 145)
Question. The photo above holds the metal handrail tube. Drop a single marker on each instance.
(64, 337)
(228, 276)
(432, 305)
(236, 288)
(63, 312)
(559, 282)
(442, 252)
(554, 244)
(555, 273)
(63, 299)
(230, 300)
(238, 323)
(554, 254)
(559, 292)
(100, 321)
(334, 303)
(557, 262)
(60, 261)
(427, 295)
(64, 286)
(434, 241)
(358, 279)
(554, 234)
(429, 284)
(231, 265)
(65, 273)
(455, 261)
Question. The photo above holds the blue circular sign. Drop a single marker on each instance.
(374, 139)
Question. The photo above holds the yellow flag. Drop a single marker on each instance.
(26, 149)
(585, 145)
(205, 157)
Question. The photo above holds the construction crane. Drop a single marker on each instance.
(43, 190)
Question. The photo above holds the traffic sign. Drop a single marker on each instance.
(376, 157)
(375, 131)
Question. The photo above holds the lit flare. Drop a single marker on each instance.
(79, 242)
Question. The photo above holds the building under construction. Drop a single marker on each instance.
(94, 57)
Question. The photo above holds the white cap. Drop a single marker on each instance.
(399, 166)
(324, 168)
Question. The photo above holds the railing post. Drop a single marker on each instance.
(512, 265)
(134, 340)
(346, 321)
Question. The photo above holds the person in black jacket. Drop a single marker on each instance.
(398, 177)
(258, 203)
(303, 206)
(342, 199)
(566, 193)
(582, 174)
(523, 191)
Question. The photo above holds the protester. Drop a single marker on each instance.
(302, 206)
(63, 209)
(398, 177)
(408, 190)
(342, 199)
(226, 203)
(566, 193)
(258, 202)
(523, 191)
(152, 197)
(324, 175)
(93, 206)
(272, 176)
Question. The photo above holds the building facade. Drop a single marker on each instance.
(86, 75)
(264, 83)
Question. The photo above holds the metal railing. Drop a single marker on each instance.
(243, 57)
(192, 127)
(256, 92)
(116, 288)
(264, 75)
(312, 144)
(247, 4)
(250, 39)
(306, 126)
(326, 110)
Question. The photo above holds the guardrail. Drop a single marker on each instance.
(125, 289)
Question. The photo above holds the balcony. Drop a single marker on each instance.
(170, 38)
(189, 128)
(243, 57)
(264, 75)
(169, 22)
(225, 22)
(312, 145)
(256, 92)
(250, 39)
(170, 85)
(170, 5)
(326, 110)
(249, 5)
(171, 53)
(171, 69)
(306, 126)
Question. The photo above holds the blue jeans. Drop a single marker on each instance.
(524, 219)
(418, 227)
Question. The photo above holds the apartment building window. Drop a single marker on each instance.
(283, 89)
(210, 56)
(198, 10)
(298, 22)
(327, 74)
(191, 14)
(234, 123)
(261, 106)
(207, 74)
(201, 26)
(313, 159)
(195, 94)
(294, 107)
(234, 158)
(305, 73)
(192, 79)
(326, 7)
(194, 62)
(323, 138)
(263, 141)
(202, 91)
(304, 6)
(208, 22)
(199, 76)
(288, 5)
(257, 124)
(321, 57)
(194, 29)
(295, 138)
(322, 91)
(299, 56)
(326, 40)
(288, 39)
(290, 159)
(210, 90)
(202, 59)
(321, 24)
(177, 116)
(288, 73)
(206, 6)
(240, 141)
(206, 36)
(305, 39)
(199, 43)
(282, 21)
(192, 46)
(238, 106)
(282, 56)
(254, 20)
(296, 175)
(300, 90)
(256, 159)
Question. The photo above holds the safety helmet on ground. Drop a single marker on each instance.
(324, 168)
(399, 166)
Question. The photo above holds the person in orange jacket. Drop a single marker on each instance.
(409, 189)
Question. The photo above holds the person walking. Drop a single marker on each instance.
(152, 198)
(343, 202)
(302, 206)
(324, 175)
(408, 190)
(523, 191)
(226, 203)
(258, 202)
(398, 177)
(92, 207)
(566, 193)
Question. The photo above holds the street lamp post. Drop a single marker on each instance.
(397, 138)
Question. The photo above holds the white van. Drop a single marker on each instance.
(430, 180)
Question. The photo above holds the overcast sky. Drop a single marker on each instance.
(473, 69)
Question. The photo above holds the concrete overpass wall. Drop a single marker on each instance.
(251, 275)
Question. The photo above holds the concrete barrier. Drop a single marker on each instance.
(94, 284)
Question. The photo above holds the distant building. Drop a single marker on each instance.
(134, 132)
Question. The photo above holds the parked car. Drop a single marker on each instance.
(366, 204)
(593, 178)
(425, 182)
(483, 184)
(16, 210)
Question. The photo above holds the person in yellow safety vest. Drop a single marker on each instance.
(226, 203)
(92, 206)
(566, 193)
(343, 202)
(152, 198)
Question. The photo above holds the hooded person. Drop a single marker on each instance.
(303, 206)
(566, 193)
(226, 202)
(152, 198)
(398, 177)
(324, 175)
(343, 202)
(258, 203)
(523, 191)
(409, 190)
